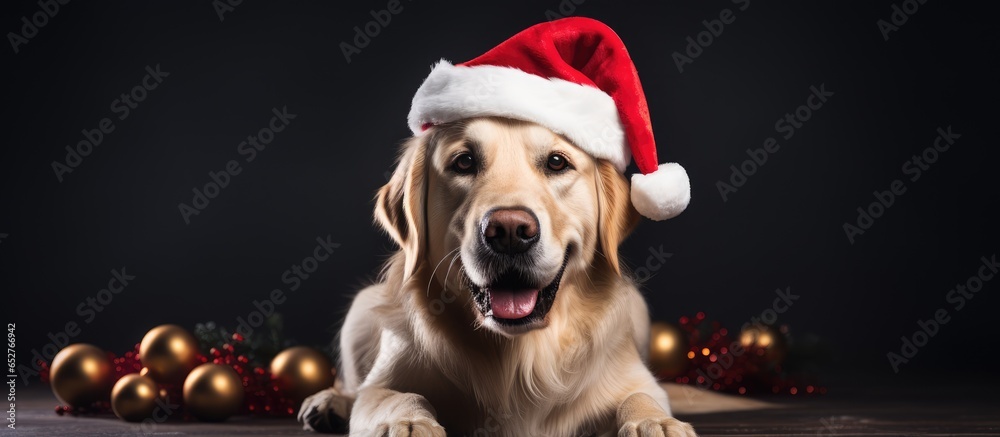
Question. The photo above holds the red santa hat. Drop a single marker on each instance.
(574, 77)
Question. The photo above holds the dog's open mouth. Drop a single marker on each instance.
(512, 300)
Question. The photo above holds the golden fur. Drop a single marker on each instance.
(419, 358)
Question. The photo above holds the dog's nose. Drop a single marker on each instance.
(510, 231)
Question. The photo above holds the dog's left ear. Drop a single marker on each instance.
(617, 217)
(400, 204)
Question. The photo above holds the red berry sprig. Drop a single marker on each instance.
(262, 397)
(718, 362)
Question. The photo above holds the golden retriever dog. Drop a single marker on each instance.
(505, 311)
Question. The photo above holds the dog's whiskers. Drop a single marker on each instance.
(431, 280)
(448, 273)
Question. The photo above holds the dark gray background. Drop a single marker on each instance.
(782, 229)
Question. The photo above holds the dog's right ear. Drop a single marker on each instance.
(400, 204)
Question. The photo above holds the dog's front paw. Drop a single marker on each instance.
(661, 427)
(327, 411)
(407, 428)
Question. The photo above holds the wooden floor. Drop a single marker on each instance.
(867, 412)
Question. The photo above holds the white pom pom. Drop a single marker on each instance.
(662, 194)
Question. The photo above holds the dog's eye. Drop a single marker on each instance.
(557, 162)
(464, 163)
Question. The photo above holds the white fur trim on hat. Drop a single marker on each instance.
(662, 194)
(585, 115)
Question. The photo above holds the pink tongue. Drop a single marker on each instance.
(513, 304)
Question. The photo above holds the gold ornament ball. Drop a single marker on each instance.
(302, 371)
(169, 352)
(668, 350)
(134, 397)
(765, 341)
(213, 392)
(80, 375)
